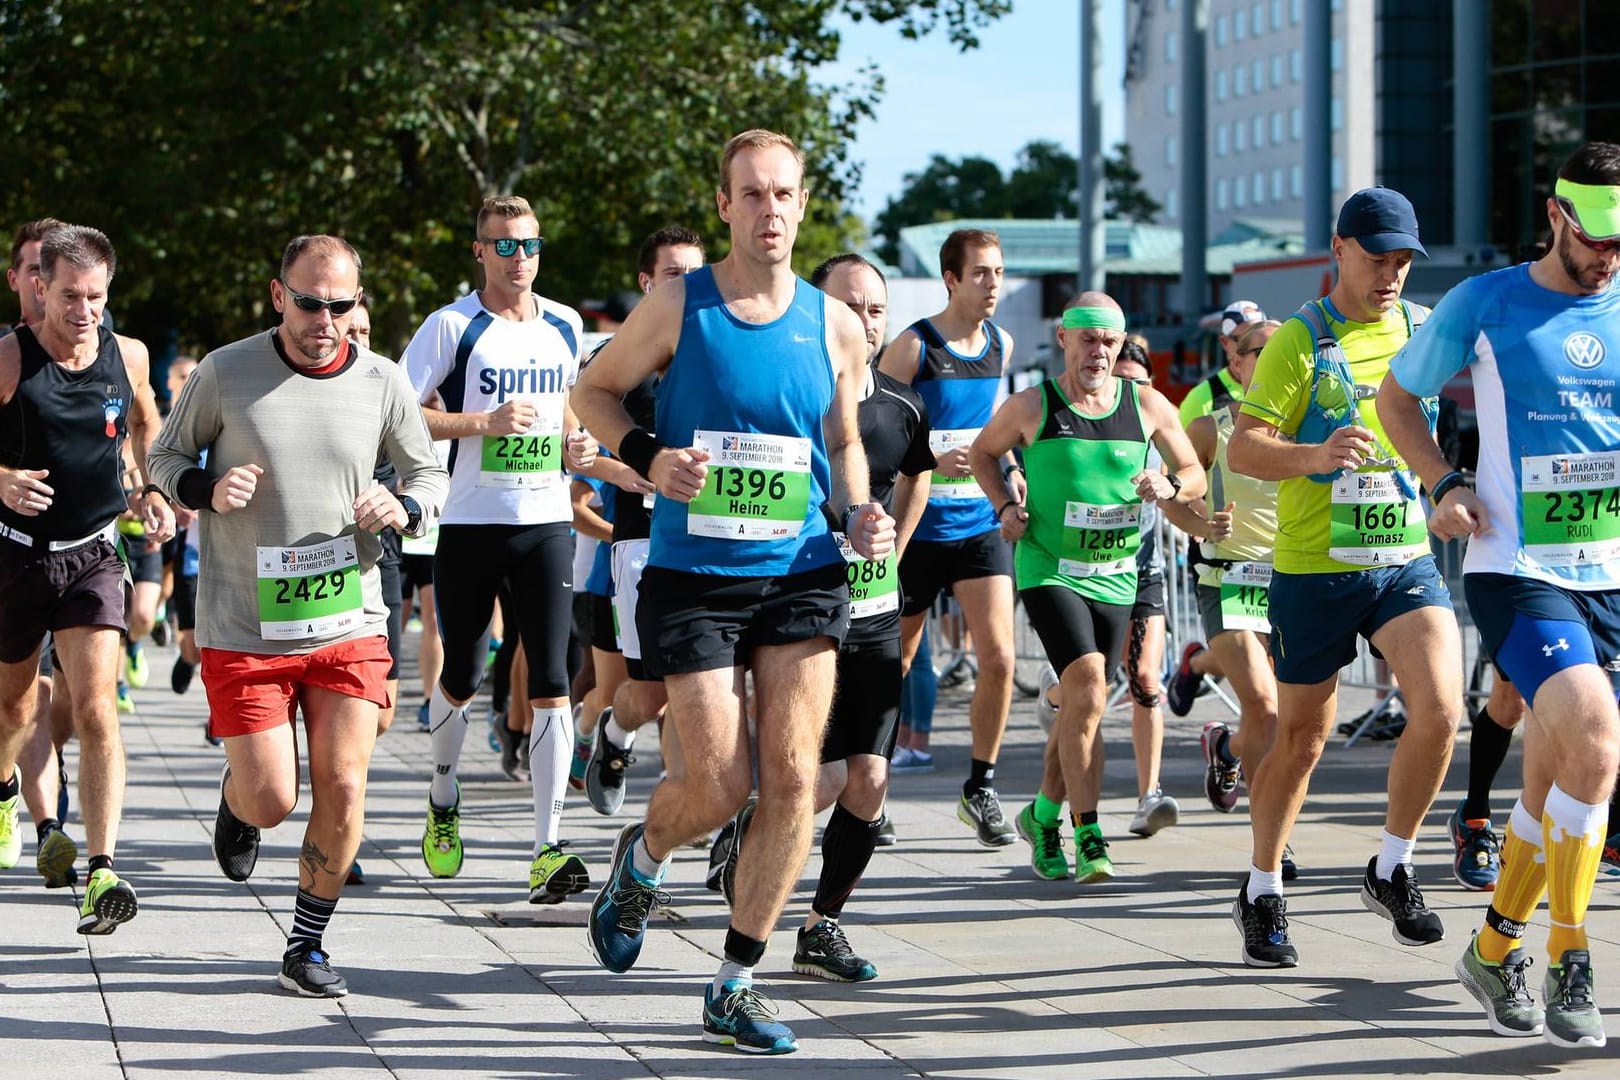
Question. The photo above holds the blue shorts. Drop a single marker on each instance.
(1315, 618)
(1533, 629)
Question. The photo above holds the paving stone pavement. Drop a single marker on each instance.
(986, 971)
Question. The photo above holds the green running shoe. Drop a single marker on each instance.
(10, 833)
(55, 859)
(108, 903)
(1045, 844)
(556, 875)
(1091, 861)
(1573, 1018)
(441, 839)
(136, 670)
(1503, 989)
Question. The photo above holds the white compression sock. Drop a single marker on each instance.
(551, 745)
(448, 726)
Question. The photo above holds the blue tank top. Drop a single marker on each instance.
(960, 392)
(754, 396)
(600, 580)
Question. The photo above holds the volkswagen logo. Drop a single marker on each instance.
(1584, 350)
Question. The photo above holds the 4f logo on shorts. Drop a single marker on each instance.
(1584, 349)
(1561, 643)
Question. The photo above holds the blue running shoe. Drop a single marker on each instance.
(1478, 861)
(619, 914)
(422, 721)
(745, 1018)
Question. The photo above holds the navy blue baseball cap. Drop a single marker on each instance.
(1380, 219)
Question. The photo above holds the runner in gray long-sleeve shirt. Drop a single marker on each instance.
(290, 608)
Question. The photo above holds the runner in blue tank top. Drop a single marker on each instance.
(756, 430)
(1542, 572)
(956, 361)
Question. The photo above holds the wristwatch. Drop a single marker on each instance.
(1175, 483)
(850, 511)
(413, 515)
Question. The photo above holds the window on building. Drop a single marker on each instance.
(1336, 173)
(1220, 85)
(1170, 99)
(1276, 14)
(1169, 149)
(1259, 190)
(1240, 194)
(1221, 146)
(1296, 11)
(1276, 70)
(1336, 54)
(1169, 5)
(1296, 181)
(1169, 46)
(1220, 31)
(1240, 136)
(1240, 24)
(1170, 203)
(1336, 113)
(1257, 75)
(1257, 18)
(1223, 194)
(1240, 80)
(1259, 125)
(1296, 65)
(1276, 185)
(1277, 128)
(1296, 123)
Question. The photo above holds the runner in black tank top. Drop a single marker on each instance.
(70, 393)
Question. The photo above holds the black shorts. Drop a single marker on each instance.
(535, 563)
(58, 590)
(145, 564)
(933, 566)
(1149, 597)
(388, 568)
(700, 622)
(1071, 626)
(866, 709)
(599, 626)
(183, 604)
(416, 572)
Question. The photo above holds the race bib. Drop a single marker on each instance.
(941, 442)
(758, 487)
(1246, 597)
(308, 592)
(1099, 540)
(426, 544)
(1571, 508)
(874, 587)
(1373, 524)
(530, 460)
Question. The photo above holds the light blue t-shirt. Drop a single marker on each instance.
(1545, 367)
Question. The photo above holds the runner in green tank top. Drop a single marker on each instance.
(1085, 439)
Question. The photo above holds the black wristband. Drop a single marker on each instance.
(1008, 470)
(1451, 480)
(150, 488)
(196, 489)
(1003, 510)
(637, 450)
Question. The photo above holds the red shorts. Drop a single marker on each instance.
(249, 692)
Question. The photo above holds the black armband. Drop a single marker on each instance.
(637, 450)
(1451, 480)
(195, 490)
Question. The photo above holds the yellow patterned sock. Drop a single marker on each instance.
(1518, 888)
(1572, 838)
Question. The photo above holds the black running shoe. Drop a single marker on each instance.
(1264, 926)
(604, 776)
(236, 843)
(310, 974)
(719, 852)
(1290, 868)
(981, 812)
(512, 763)
(728, 871)
(824, 951)
(1401, 902)
(181, 674)
(886, 836)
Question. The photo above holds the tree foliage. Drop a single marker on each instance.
(201, 136)
(1044, 182)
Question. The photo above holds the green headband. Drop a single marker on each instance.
(1596, 206)
(1093, 318)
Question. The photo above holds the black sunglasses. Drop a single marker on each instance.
(508, 246)
(312, 304)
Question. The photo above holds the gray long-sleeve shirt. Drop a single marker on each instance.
(266, 583)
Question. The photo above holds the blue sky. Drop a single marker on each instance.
(1022, 83)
